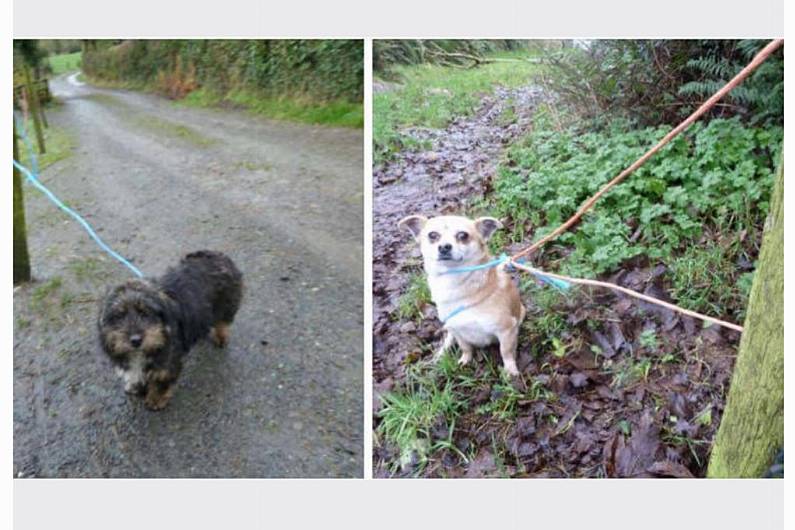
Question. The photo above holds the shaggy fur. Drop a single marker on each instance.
(146, 327)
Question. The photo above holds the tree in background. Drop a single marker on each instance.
(653, 82)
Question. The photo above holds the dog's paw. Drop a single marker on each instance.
(512, 370)
(464, 359)
(157, 400)
(220, 335)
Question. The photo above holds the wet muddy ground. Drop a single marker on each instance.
(629, 389)
(442, 180)
(158, 180)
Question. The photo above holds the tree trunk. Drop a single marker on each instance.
(752, 429)
(21, 257)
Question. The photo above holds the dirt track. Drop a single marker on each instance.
(158, 180)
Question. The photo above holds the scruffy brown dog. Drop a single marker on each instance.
(147, 326)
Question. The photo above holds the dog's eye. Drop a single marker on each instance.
(462, 237)
(433, 236)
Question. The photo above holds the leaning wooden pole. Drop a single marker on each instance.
(42, 82)
(752, 428)
(21, 256)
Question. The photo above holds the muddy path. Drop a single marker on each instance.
(158, 180)
(445, 179)
(628, 389)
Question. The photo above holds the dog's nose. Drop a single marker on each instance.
(135, 340)
(445, 248)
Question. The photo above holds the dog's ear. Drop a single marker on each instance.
(413, 223)
(486, 226)
(106, 302)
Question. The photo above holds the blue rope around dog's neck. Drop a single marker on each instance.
(34, 180)
(504, 258)
(493, 263)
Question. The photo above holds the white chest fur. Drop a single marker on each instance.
(459, 300)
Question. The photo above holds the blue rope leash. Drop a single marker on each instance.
(33, 179)
(493, 263)
(504, 258)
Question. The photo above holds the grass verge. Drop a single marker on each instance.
(65, 62)
(336, 113)
(58, 142)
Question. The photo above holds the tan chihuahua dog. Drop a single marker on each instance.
(477, 307)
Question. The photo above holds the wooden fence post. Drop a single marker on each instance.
(33, 102)
(21, 256)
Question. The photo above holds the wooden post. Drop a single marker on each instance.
(33, 101)
(42, 82)
(751, 431)
(21, 256)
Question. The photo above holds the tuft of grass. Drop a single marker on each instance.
(706, 279)
(65, 62)
(428, 398)
(420, 417)
(41, 294)
(432, 96)
(648, 340)
(334, 113)
(629, 371)
(506, 398)
(411, 302)
(545, 325)
(88, 268)
(58, 142)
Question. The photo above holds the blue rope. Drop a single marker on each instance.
(554, 282)
(34, 161)
(455, 311)
(493, 263)
(33, 179)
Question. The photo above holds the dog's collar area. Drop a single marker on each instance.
(504, 258)
(454, 312)
(489, 264)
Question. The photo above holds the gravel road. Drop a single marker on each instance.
(159, 180)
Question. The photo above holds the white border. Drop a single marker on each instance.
(400, 19)
(385, 503)
(368, 262)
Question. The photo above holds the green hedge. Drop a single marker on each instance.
(318, 70)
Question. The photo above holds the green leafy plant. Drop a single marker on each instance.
(648, 339)
(710, 184)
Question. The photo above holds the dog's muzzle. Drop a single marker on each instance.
(445, 252)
